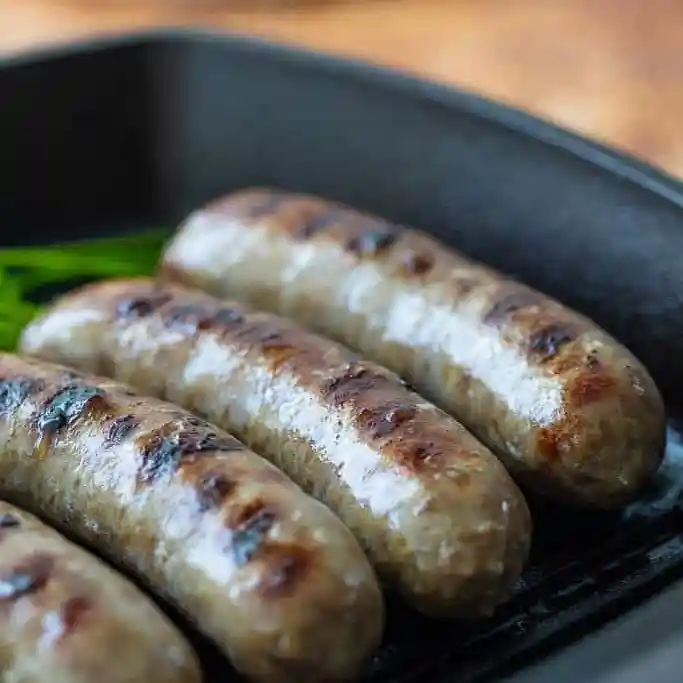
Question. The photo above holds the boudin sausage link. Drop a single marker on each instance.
(266, 571)
(64, 613)
(439, 515)
(570, 411)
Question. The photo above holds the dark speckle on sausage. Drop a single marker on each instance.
(547, 342)
(28, 577)
(228, 316)
(163, 453)
(119, 428)
(509, 303)
(66, 406)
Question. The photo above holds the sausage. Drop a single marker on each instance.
(438, 514)
(63, 613)
(267, 572)
(571, 413)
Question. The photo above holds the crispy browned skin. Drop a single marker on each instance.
(65, 617)
(438, 513)
(569, 411)
(267, 572)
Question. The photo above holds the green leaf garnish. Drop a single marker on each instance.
(25, 269)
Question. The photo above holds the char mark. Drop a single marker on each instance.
(510, 303)
(164, 453)
(418, 263)
(141, 306)
(66, 406)
(548, 341)
(73, 614)
(195, 317)
(264, 204)
(13, 392)
(9, 521)
(384, 419)
(27, 578)
(321, 221)
(345, 388)
(212, 491)
(248, 538)
(372, 239)
(119, 428)
(288, 566)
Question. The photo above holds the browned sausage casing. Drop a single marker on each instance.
(570, 411)
(440, 516)
(266, 571)
(65, 617)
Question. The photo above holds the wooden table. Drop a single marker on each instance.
(608, 68)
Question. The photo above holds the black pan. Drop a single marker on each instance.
(130, 133)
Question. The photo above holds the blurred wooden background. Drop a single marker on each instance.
(608, 68)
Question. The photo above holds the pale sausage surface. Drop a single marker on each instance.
(569, 410)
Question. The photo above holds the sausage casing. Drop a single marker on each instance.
(63, 613)
(438, 513)
(570, 411)
(266, 571)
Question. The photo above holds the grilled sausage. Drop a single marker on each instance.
(439, 515)
(569, 411)
(63, 612)
(267, 572)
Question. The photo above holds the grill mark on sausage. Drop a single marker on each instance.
(250, 528)
(589, 388)
(371, 240)
(73, 613)
(511, 302)
(263, 204)
(384, 419)
(288, 566)
(379, 411)
(9, 521)
(119, 428)
(142, 305)
(320, 222)
(66, 406)
(26, 578)
(547, 342)
(340, 390)
(212, 490)
(165, 450)
(193, 317)
(13, 392)
(418, 263)
(548, 441)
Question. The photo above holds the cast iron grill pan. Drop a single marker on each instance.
(126, 134)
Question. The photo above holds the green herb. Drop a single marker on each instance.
(23, 270)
